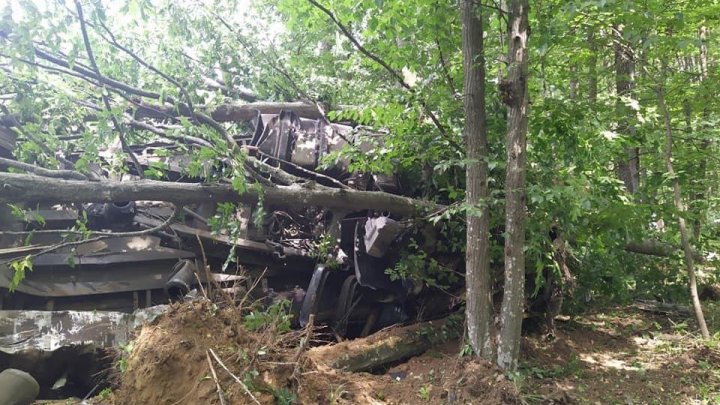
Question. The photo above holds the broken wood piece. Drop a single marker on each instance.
(664, 308)
(387, 346)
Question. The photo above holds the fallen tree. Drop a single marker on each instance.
(658, 248)
(387, 346)
(229, 112)
(16, 187)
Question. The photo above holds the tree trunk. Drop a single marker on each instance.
(478, 306)
(574, 82)
(516, 99)
(592, 67)
(23, 187)
(629, 166)
(705, 143)
(387, 346)
(658, 248)
(677, 198)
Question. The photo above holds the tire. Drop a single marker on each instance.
(17, 387)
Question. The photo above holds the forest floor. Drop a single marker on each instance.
(619, 356)
(622, 356)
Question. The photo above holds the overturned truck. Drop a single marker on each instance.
(123, 250)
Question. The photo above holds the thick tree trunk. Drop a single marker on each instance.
(516, 98)
(478, 306)
(23, 187)
(677, 198)
(628, 166)
(388, 346)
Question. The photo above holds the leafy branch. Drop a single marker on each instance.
(106, 100)
(394, 73)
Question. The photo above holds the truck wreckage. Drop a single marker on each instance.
(96, 257)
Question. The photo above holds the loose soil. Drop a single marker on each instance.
(168, 365)
(618, 357)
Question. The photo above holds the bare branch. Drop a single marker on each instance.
(446, 71)
(221, 396)
(239, 381)
(41, 171)
(305, 171)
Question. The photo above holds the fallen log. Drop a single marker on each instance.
(387, 346)
(663, 308)
(231, 112)
(16, 187)
(658, 248)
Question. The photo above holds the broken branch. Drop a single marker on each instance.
(387, 346)
(41, 171)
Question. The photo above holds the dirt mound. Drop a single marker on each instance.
(168, 364)
(168, 360)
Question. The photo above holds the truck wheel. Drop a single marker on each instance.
(17, 387)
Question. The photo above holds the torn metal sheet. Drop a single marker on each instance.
(51, 330)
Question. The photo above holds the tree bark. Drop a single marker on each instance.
(574, 82)
(705, 143)
(231, 112)
(592, 67)
(388, 346)
(680, 207)
(629, 165)
(517, 102)
(658, 248)
(478, 305)
(23, 187)
(58, 174)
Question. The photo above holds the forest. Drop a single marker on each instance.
(359, 202)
